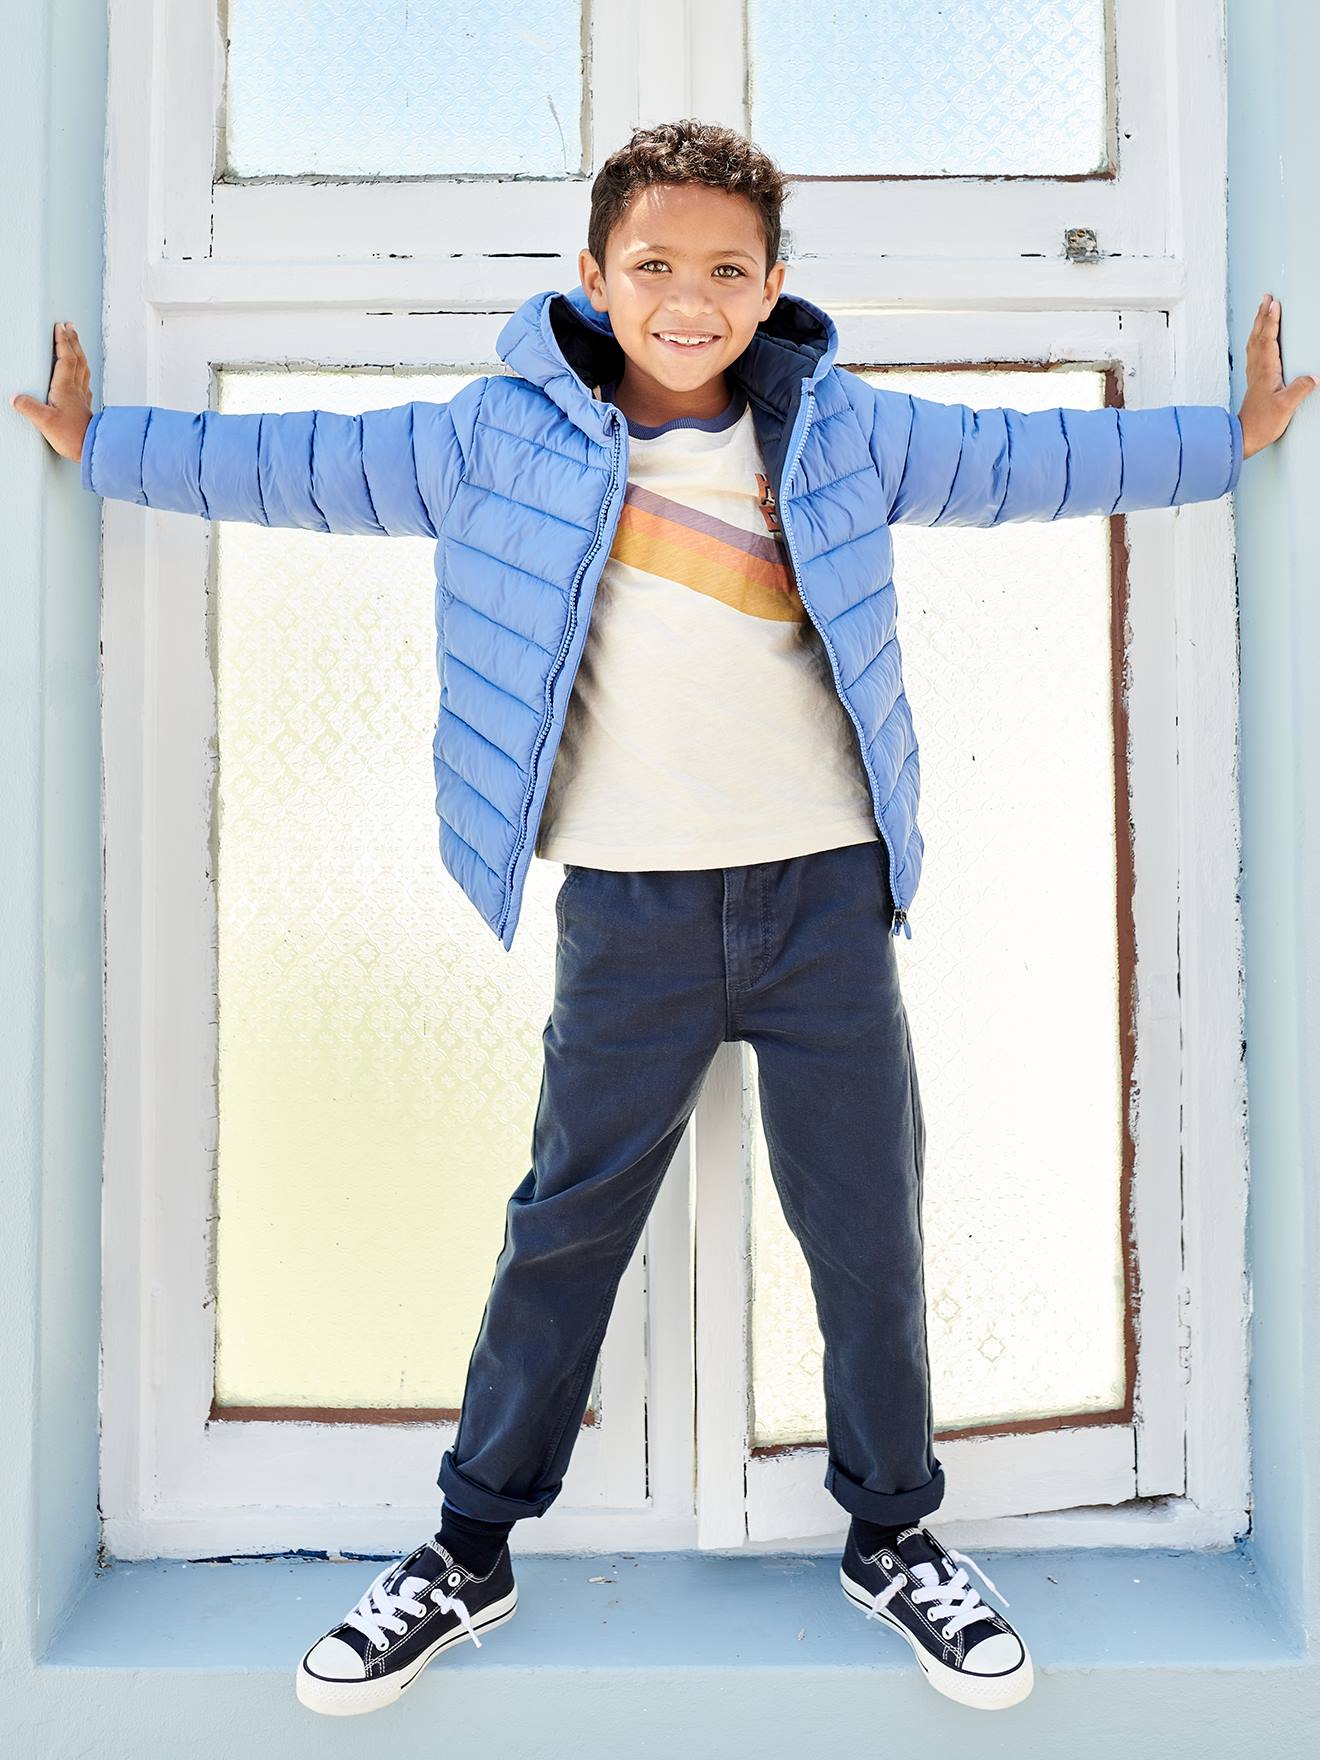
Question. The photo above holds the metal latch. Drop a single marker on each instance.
(1079, 245)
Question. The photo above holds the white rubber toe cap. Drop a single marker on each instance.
(334, 1660)
(993, 1655)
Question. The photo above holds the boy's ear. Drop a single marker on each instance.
(592, 279)
(774, 283)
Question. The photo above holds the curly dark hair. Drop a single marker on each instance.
(687, 151)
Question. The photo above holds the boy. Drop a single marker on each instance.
(723, 759)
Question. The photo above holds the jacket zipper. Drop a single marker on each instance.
(899, 922)
(564, 646)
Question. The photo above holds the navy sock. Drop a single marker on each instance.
(871, 1538)
(474, 1543)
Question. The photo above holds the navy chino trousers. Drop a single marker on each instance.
(654, 970)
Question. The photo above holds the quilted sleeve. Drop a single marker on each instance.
(945, 464)
(387, 472)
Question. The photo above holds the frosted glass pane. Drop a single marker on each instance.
(1010, 979)
(972, 87)
(379, 1052)
(376, 88)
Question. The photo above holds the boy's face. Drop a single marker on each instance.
(685, 259)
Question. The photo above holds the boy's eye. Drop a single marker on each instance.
(652, 262)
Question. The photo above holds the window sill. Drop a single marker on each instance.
(665, 1612)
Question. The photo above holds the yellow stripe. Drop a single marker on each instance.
(750, 584)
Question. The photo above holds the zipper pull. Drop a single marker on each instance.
(900, 918)
(767, 505)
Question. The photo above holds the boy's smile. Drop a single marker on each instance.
(685, 286)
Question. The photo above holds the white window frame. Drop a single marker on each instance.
(763, 1497)
(1177, 1473)
(349, 271)
(176, 1482)
(180, 1479)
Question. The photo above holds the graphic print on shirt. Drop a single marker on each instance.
(680, 543)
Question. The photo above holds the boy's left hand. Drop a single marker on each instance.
(1268, 405)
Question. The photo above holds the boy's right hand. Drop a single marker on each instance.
(64, 417)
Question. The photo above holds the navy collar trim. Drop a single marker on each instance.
(731, 412)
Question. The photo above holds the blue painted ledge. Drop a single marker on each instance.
(1085, 1608)
(723, 1653)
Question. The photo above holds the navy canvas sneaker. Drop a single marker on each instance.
(966, 1650)
(411, 1612)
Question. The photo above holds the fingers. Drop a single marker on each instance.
(33, 408)
(71, 381)
(1264, 363)
(1266, 326)
(71, 371)
(67, 345)
(66, 341)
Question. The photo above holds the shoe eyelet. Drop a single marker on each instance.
(454, 1577)
(886, 1561)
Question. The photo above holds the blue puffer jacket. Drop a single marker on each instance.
(520, 479)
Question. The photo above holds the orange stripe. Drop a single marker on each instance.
(656, 528)
(754, 585)
(723, 579)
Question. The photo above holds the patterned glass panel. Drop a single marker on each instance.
(1010, 978)
(970, 88)
(384, 88)
(379, 1052)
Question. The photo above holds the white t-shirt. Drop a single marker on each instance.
(704, 729)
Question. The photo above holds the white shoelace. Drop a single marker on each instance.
(380, 1609)
(957, 1601)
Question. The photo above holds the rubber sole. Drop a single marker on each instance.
(982, 1692)
(350, 1698)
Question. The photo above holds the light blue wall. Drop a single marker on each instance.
(1144, 1654)
(1274, 152)
(52, 125)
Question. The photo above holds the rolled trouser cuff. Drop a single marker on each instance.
(887, 1509)
(487, 1506)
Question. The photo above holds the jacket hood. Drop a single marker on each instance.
(560, 342)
